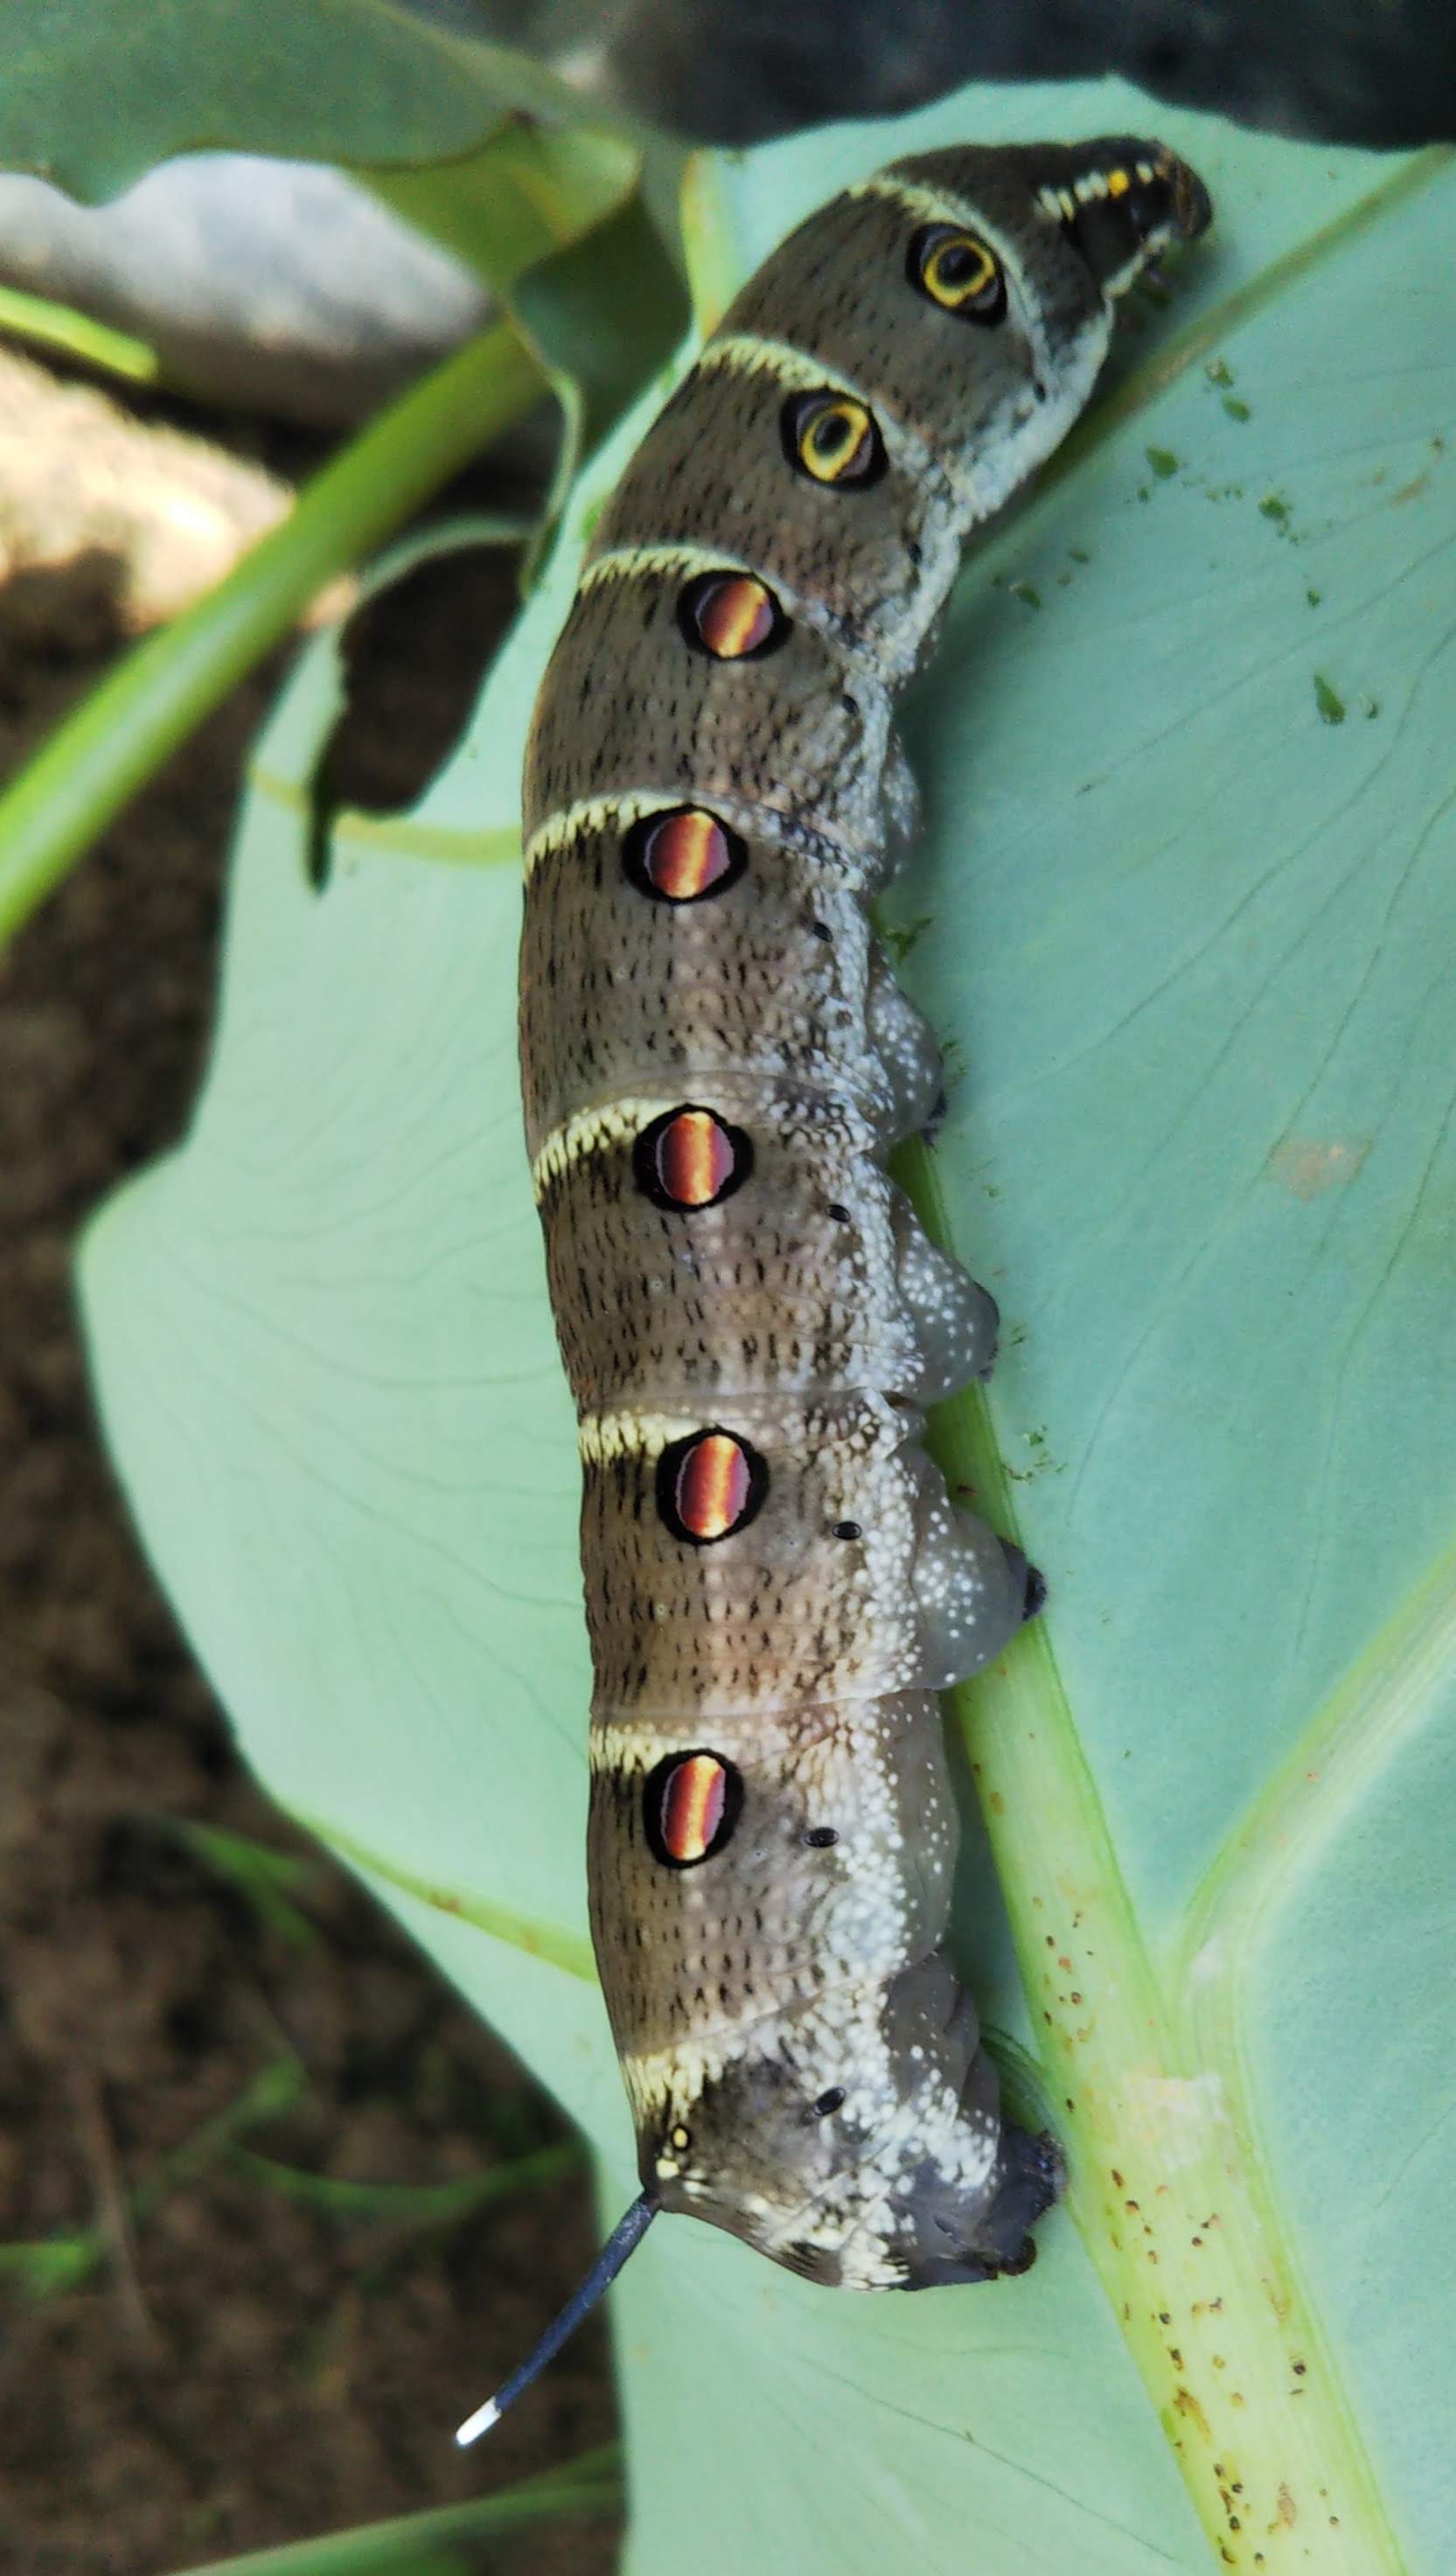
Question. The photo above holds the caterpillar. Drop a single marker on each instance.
(716, 1063)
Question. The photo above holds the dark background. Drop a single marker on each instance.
(734, 71)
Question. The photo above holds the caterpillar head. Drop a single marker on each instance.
(1117, 203)
(1121, 202)
(1014, 258)
(902, 2175)
(916, 2183)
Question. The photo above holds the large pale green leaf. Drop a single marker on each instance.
(1188, 758)
(93, 92)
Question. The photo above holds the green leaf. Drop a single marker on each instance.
(94, 92)
(528, 192)
(1193, 947)
(555, 223)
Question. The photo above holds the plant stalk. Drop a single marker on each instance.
(1167, 2185)
(120, 735)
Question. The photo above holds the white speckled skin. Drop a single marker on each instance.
(803, 2064)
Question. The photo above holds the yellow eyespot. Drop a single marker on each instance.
(958, 272)
(679, 2138)
(833, 439)
(1118, 182)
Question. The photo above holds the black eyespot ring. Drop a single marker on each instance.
(691, 1803)
(955, 270)
(690, 1159)
(709, 1486)
(681, 855)
(731, 617)
(832, 439)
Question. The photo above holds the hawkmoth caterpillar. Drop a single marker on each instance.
(716, 1062)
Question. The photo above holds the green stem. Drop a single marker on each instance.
(406, 2204)
(1167, 2185)
(587, 2486)
(127, 727)
(44, 324)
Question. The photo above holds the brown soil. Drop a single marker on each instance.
(236, 2367)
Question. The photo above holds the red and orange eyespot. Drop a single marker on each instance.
(832, 439)
(956, 270)
(709, 1486)
(690, 1805)
(731, 616)
(681, 855)
(690, 1158)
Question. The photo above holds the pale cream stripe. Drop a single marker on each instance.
(942, 206)
(1062, 203)
(613, 1122)
(603, 1437)
(613, 1747)
(590, 814)
(934, 205)
(761, 823)
(629, 1744)
(759, 356)
(624, 563)
(1059, 203)
(795, 368)
(677, 2074)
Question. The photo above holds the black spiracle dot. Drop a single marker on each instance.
(829, 2101)
(838, 1211)
(821, 1837)
(848, 1529)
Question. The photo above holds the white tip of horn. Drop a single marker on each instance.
(478, 2423)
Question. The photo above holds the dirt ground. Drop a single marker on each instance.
(226, 2365)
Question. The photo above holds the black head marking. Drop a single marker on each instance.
(1121, 201)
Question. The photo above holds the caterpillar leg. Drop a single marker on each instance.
(956, 1320)
(1031, 2175)
(973, 1590)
